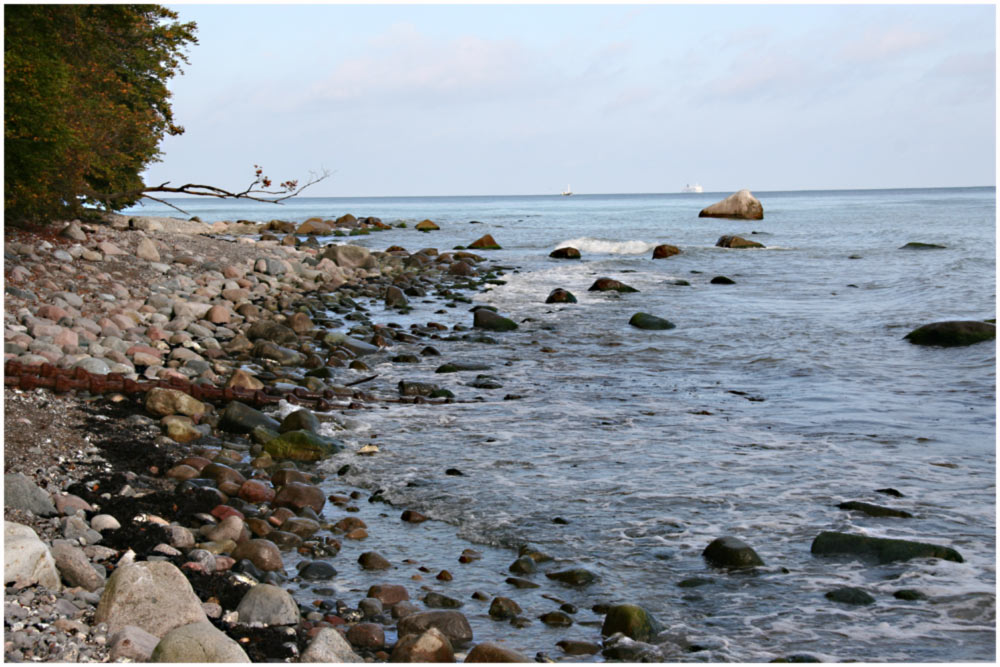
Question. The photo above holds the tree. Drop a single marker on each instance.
(86, 103)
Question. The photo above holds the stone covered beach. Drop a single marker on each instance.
(173, 389)
(143, 523)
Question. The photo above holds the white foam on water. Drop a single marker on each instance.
(608, 247)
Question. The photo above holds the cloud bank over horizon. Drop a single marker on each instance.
(441, 100)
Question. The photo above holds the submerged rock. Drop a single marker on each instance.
(741, 205)
(849, 595)
(413, 388)
(731, 552)
(559, 295)
(631, 620)
(952, 333)
(503, 608)
(880, 549)
(874, 510)
(736, 242)
(573, 577)
(652, 322)
(578, 647)
(665, 250)
(487, 319)
(565, 253)
(916, 245)
(610, 285)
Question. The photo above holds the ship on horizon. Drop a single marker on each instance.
(692, 188)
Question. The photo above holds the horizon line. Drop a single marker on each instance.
(606, 194)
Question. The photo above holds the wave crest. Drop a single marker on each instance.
(608, 247)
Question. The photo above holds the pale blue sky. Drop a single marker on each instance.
(525, 99)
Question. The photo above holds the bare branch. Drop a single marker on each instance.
(258, 190)
(164, 201)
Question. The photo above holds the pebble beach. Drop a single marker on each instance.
(136, 520)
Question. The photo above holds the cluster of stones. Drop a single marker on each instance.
(345, 225)
(200, 318)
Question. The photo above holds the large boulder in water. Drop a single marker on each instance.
(665, 250)
(566, 252)
(559, 295)
(731, 552)
(609, 285)
(632, 620)
(953, 333)
(741, 206)
(487, 319)
(880, 549)
(652, 322)
(485, 242)
(736, 242)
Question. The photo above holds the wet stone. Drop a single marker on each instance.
(556, 619)
(504, 608)
(437, 600)
(850, 595)
(573, 577)
(317, 570)
(523, 565)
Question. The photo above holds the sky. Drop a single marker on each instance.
(422, 100)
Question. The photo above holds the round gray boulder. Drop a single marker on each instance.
(198, 642)
(153, 595)
(266, 604)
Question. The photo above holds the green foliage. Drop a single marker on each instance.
(86, 104)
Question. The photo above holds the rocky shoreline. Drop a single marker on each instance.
(171, 391)
(149, 525)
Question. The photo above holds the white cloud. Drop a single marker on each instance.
(880, 44)
(404, 64)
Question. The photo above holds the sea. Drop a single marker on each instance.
(626, 451)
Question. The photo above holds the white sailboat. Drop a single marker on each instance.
(567, 192)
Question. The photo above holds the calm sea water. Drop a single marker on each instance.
(773, 400)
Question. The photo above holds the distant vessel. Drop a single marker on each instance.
(567, 192)
(692, 188)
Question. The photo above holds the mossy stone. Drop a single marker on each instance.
(879, 549)
(952, 333)
(301, 446)
(632, 620)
